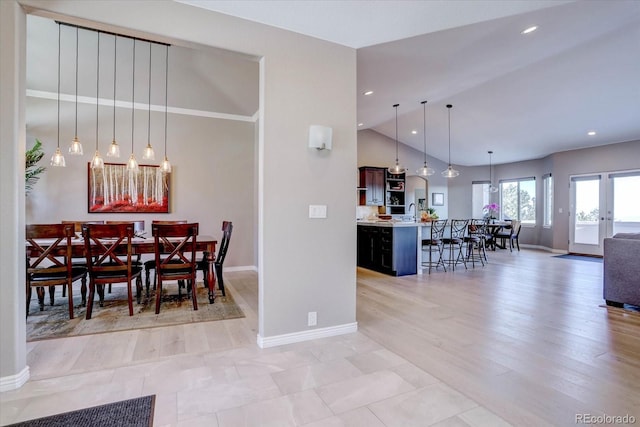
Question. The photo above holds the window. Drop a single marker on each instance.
(518, 200)
(479, 198)
(547, 183)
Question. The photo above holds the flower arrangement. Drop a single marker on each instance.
(491, 210)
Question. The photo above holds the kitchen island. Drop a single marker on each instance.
(388, 247)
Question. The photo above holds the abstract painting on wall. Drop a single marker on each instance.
(114, 189)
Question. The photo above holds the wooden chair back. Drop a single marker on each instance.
(50, 264)
(110, 259)
(138, 226)
(78, 224)
(175, 256)
(227, 229)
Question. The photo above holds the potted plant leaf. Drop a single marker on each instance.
(32, 170)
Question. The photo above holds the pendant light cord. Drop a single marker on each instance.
(449, 108)
(58, 86)
(424, 129)
(396, 107)
(166, 97)
(97, 90)
(115, 59)
(76, 126)
(149, 120)
(133, 92)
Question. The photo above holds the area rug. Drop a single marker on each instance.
(54, 321)
(136, 412)
(579, 257)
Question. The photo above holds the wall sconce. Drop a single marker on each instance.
(320, 137)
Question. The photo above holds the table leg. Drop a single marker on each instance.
(210, 276)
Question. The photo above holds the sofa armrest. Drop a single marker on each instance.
(622, 270)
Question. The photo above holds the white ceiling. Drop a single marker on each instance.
(522, 96)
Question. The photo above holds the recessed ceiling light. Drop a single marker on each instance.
(369, 92)
(591, 133)
(360, 124)
(529, 30)
(414, 132)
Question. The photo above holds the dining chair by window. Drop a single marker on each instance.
(110, 260)
(435, 245)
(49, 264)
(455, 242)
(175, 255)
(151, 264)
(511, 234)
(227, 228)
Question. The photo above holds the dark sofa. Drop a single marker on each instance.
(622, 269)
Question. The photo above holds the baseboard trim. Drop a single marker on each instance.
(14, 382)
(242, 268)
(294, 337)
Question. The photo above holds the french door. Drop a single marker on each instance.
(602, 205)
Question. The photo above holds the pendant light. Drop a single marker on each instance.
(97, 162)
(491, 188)
(450, 172)
(114, 148)
(132, 164)
(149, 154)
(58, 159)
(75, 149)
(396, 169)
(425, 170)
(165, 167)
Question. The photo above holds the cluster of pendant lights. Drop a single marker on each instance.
(97, 162)
(425, 170)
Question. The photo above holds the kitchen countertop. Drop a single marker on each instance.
(391, 223)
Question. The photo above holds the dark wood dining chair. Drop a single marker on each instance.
(49, 264)
(227, 229)
(175, 255)
(110, 260)
(138, 231)
(511, 234)
(151, 264)
(78, 260)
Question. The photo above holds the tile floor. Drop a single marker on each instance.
(348, 380)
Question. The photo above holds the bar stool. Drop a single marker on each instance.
(435, 244)
(456, 242)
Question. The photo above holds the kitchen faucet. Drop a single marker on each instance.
(412, 205)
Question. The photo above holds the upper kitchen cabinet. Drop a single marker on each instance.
(395, 184)
(372, 182)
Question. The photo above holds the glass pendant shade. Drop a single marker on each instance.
(148, 153)
(450, 172)
(396, 169)
(97, 162)
(132, 164)
(57, 159)
(114, 150)
(75, 149)
(165, 166)
(491, 188)
(425, 170)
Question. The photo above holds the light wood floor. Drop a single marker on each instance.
(523, 341)
(526, 336)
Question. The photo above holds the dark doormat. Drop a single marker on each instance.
(136, 412)
(580, 257)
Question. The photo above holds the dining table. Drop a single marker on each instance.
(145, 245)
(494, 228)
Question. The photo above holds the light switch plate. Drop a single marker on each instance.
(317, 211)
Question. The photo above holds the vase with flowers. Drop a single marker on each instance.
(491, 211)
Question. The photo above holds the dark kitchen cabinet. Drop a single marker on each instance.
(372, 182)
(389, 250)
